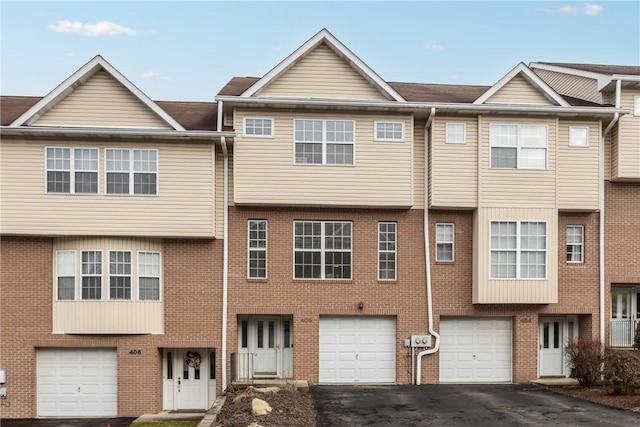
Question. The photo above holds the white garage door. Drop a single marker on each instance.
(357, 349)
(475, 350)
(77, 383)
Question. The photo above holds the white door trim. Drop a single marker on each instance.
(551, 344)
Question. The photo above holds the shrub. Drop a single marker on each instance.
(636, 337)
(585, 359)
(621, 371)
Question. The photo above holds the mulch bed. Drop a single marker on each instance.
(290, 408)
(601, 395)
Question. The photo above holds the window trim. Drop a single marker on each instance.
(452, 242)
(249, 135)
(58, 276)
(101, 275)
(519, 147)
(130, 275)
(72, 170)
(387, 251)
(519, 251)
(139, 276)
(322, 250)
(324, 142)
(393, 122)
(447, 140)
(573, 143)
(636, 105)
(581, 244)
(265, 249)
(132, 172)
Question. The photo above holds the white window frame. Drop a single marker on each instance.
(324, 143)
(323, 250)
(71, 170)
(257, 249)
(636, 105)
(446, 242)
(519, 145)
(66, 274)
(519, 250)
(570, 251)
(386, 247)
(449, 133)
(131, 171)
(385, 123)
(124, 275)
(140, 275)
(100, 276)
(245, 127)
(576, 141)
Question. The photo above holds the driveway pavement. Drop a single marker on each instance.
(459, 405)
(59, 422)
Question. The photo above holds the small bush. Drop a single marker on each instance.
(636, 337)
(585, 359)
(621, 371)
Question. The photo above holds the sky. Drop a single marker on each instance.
(188, 50)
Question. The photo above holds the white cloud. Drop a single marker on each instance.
(102, 28)
(433, 46)
(150, 74)
(590, 9)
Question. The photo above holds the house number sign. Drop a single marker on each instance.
(135, 352)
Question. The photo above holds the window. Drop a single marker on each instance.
(444, 242)
(257, 249)
(636, 105)
(456, 133)
(132, 171)
(72, 170)
(322, 250)
(148, 276)
(518, 250)
(119, 275)
(387, 247)
(575, 243)
(518, 146)
(66, 275)
(578, 136)
(389, 131)
(91, 275)
(324, 142)
(258, 127)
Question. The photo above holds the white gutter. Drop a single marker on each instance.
(427, 254)
(112, 133)
(616, 117)
(225, 252)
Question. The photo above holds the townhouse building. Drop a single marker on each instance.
(316, 223)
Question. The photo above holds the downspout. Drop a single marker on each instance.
(616, 117)
(427, 254)
(225, 250)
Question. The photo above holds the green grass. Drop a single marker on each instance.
(166, 424)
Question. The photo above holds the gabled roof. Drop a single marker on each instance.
(628, 70)
(423, 92)
(532, 78)
(324, 36)
(85, 72)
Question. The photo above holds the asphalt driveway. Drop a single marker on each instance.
(459, 405)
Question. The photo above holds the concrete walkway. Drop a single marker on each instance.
(207, 419)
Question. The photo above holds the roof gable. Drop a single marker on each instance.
(83, 90)
(514, 84)
(306, 51)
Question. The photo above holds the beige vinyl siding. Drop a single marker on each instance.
(614, 144)
(108, 317)
(454, 167)
(102, 101)
(518, 91)
(627, 156)
(571, 85)
(219, 190)
(265, 173)
(608, 150)
(184, 206)
(578, 168)
(506, 291)
(322, 74)
(418, 164)
(516, 187)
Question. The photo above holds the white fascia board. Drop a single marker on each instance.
(602, 79)
(76, 79)
(530, 76)
(323, 36)
(106, 133)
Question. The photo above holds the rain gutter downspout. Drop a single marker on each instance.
(225, 250)
(427, 254)
(616, 117)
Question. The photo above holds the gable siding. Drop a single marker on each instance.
(322, 74)
(102, 101)
(418, 164)
(518, 91)
(628, 146)
(575, 86)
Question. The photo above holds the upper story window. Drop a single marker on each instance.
(322, 250)
(120, 275)
(636, 105)
(324, 142)
(575, 243)
(518, 146)
(578, 136)
(72, 170)
(131, 171)
(444, 242)
(389, 131)
(518, 250)
(65, 275)
(258, 127)
(456, 133)
(387, 250)
(257, 241)
(91, 275)
(149, 276)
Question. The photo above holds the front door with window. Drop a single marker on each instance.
(551, 346)
(266, 346)
(622, 317)
(188, 378)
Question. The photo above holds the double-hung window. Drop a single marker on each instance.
(258, 127)
(132, 171)
(444, 242)
(257, 249)
(324, 142)
(575, 243)
(91, 275)
(72, 170)
(518, 146)
(387, 250)
(518, 250)
(66, 275)
(119, 275)
(322, 250)
(149, 276)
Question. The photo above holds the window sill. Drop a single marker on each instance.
(257, 280)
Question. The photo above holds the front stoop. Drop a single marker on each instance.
(555, 381)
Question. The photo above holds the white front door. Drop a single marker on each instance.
(551, 346)
(187, 379)
(622, 329)
(265, 362)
